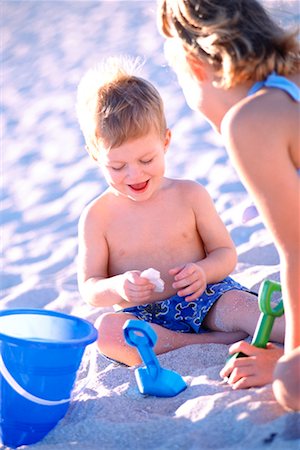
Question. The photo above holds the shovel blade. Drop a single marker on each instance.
(167, 383)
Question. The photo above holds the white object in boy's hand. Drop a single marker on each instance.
(154, 277)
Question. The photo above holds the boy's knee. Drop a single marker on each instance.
(111, 341)
(104, 321)
(286, 385)
(108, 331)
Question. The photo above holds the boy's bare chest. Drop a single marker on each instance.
(157, 237)
(130, 228)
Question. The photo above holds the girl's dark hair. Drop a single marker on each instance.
(237, 37)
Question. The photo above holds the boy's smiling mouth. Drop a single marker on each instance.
(139, 186)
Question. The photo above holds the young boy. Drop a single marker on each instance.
(145, 220)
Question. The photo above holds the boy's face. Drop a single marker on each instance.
(135, 169)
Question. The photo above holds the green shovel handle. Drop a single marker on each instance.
(267, 289)
(266, 320)
(268, 314)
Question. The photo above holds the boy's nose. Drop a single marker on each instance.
(133, 171)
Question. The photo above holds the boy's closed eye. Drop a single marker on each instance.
(148, 161)
(117, 168)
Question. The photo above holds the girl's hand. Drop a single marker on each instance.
(255, 370)
(133, 288)
(190, 281)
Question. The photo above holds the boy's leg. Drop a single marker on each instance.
(111, 341)
(239, 311)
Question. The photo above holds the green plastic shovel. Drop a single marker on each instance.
(267, 317)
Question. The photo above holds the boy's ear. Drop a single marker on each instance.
(167, 139)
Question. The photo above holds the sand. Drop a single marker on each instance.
(47, 179)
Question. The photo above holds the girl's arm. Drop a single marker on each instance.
(259, 137)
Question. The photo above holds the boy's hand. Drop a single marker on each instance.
(190, 281)
(133, 288)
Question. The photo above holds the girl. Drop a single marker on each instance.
(241, 71)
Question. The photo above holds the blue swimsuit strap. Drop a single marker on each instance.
(279, 82)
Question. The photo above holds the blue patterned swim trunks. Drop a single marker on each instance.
(177, 314)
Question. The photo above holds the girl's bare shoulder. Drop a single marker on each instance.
(262, 111)
(256, 124)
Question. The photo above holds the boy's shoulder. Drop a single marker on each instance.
(188, 192)
(96, 206)
(184, 183)
(186, 186)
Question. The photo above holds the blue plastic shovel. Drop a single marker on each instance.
(151, 379)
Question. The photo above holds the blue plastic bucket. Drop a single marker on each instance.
(40, 353)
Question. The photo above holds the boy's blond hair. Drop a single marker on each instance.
(237, 37)
(115, 106)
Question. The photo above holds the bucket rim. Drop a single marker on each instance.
(84, 341)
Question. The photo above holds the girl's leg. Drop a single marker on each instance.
(239, 311)
(286, 386)
(111, 341)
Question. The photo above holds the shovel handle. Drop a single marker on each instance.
(265, 294)
(267, 317)
(268, 314)
(138, 333)
(141, 335)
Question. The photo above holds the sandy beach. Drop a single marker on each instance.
(47, 179)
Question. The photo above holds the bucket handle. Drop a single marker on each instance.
(41, 401)
(21, 391)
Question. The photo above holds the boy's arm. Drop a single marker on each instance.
(95, 285)
(221, 256)
(191, 279)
